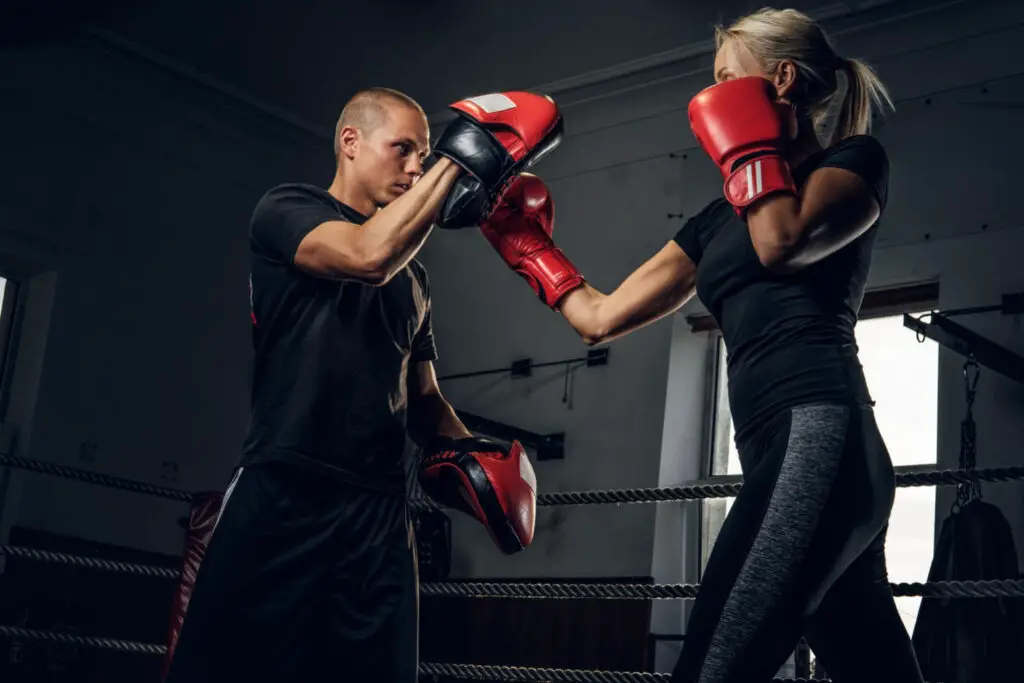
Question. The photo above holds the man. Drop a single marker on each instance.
(310, 572)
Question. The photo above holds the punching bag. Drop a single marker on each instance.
(971, 640)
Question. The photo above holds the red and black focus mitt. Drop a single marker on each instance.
(487, 480)
(494, 138)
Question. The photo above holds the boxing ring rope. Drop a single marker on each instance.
(561, 498)
(484, 589)
(994, 588)
(108, 481)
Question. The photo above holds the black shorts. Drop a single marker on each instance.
(305, 579)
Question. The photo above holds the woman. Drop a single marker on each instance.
(781, 263)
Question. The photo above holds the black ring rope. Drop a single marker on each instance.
(529, 673)
(500, 589)
(472, 671)
(636, 495)
(95, 478)
(998, 588)
(37, 555)
(693, 492)
(86, 641)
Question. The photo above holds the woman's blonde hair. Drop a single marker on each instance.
(773, 36)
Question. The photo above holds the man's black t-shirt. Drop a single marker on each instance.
(790, 337)
(331, 356)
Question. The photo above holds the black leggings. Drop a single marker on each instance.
(802, 553)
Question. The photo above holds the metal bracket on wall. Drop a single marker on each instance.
(524, 367)
(547, 446)
(970, 344)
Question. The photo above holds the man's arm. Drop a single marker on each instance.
(430, 414)
(381, 247)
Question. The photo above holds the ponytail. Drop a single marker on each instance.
(773, 36)
(864, 92)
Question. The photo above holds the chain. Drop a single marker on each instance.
(966, 492)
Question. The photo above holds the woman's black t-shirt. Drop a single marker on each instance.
(790, 337)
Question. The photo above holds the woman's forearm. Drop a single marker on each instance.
(582, 310)
(657, 288)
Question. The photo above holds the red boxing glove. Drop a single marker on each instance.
(495, 137)
(744, 129)
(482, 478)
(520, 231)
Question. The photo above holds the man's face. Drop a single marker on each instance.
(390, 159)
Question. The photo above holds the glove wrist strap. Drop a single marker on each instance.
(552, 275)
(758, 178)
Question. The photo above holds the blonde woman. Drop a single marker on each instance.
(781, 262)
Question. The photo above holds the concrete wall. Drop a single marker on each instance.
(125, 205)
(128, 207)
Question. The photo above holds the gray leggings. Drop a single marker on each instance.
(802, 553)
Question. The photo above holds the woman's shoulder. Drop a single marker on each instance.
(861, 144)
(864, 155)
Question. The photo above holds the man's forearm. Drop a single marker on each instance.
(431, 416)
(397, 231)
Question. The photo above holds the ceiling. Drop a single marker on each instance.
(304, 58)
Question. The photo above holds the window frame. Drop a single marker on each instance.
(11, 318)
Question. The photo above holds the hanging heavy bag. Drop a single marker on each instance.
(971, 640)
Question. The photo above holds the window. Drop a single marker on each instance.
(9, 311)
(902, 374)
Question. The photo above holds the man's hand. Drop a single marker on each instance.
(494, 138)
(486, 480)
(520, 231)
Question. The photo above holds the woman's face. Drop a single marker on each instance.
(734, 60)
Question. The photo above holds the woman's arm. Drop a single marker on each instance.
(658, 287)
(834, 208)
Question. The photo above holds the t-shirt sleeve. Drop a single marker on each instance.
(865, 156)
(283, 217)
(423, 346)
(690, 236)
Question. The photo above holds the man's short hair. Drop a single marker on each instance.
(367, 111)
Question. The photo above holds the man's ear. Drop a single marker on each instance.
(785, 80)
(348, 141)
